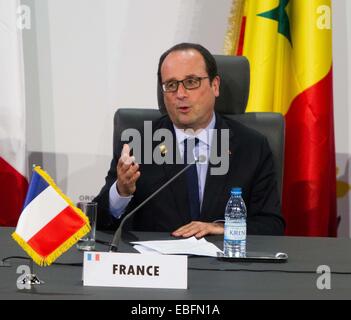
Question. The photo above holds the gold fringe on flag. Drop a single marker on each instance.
(48, 260)
(232, 36)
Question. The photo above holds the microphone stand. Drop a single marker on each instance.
(117, 236)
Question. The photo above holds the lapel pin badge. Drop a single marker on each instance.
(163, 150)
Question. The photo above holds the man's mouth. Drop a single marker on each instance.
(184, 109)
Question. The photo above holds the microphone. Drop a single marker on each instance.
(118, 234)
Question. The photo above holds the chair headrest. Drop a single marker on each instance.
(234, 72)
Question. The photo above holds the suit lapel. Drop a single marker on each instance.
(177, 188)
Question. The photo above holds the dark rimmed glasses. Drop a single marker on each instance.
(189, 83)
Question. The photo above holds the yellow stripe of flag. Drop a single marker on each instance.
(282, 68)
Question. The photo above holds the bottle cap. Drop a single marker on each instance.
(236, 191)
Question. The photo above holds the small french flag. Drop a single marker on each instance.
(93, 257)
(49, 223)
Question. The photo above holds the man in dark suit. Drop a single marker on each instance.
(195, 202)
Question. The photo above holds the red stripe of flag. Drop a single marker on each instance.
(242, 37)
(309, 193)
(56, 232)
(13, 189)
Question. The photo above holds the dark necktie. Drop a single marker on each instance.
(191, 178)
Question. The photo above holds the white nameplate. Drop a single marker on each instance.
(134, 270)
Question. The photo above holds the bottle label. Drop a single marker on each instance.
(234, 231)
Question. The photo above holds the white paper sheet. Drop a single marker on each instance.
(142, 249)
(190, 246)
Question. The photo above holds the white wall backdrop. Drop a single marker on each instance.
(342, 109)
(86, 58)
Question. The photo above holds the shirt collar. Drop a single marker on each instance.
(204, 135)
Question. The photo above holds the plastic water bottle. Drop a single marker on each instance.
(235, 225)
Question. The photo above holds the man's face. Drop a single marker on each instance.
(189, 108)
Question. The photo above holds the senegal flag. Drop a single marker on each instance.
(289, 46)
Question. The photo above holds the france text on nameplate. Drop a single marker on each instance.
(132, 270)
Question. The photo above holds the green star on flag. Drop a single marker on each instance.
(280, 15)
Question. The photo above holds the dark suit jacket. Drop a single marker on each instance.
(251, 168)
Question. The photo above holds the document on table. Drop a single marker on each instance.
(190, 246)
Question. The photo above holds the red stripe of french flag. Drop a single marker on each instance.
(13, 189)
(56, 232)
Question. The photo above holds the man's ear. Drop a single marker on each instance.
(215, 85)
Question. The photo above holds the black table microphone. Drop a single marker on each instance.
(117, 236)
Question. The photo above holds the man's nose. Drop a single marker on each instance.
(181, 91)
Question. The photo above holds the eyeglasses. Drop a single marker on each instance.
(188, 83)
